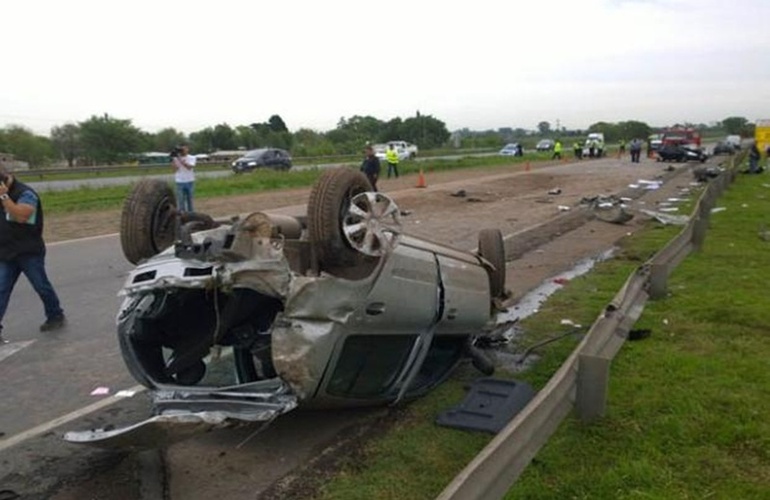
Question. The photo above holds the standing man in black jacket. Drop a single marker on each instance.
(371, 167)
(22, 249)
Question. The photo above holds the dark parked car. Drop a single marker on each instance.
(724, 148)
(263, 158)
(681, 153)
(245, 320)
(545, 145)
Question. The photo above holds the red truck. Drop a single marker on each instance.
(677, 136)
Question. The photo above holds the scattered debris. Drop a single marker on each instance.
(663, 218)
(554, 191)
(669, 209)
(489, 405)
(634, 186)
(459, 194)
(675, 200)
(718, 209)
(665, 321)
(639, 334)
(569, 322)
(703, 174)
(561, 281)
(125, 393)
(474, 200)
(764, 234)
(405, 213)
(100, 391)
(563, 208)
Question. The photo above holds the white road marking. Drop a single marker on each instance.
(64, 419)
(78, 240)
(12, 348)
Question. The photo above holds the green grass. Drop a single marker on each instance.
(89, 199)
(688, 407)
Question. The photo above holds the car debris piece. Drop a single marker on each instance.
(100, 391)
(668, 219)
(459, 194)
(703, 174)
(338, 308)
(718, 209)
(563, 208)
(554, 191)
(488, 406)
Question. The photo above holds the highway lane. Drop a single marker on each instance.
(57, 372)
(96, 182)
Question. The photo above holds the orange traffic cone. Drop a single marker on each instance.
(421, 180)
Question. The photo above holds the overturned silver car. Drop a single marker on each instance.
(244, 321)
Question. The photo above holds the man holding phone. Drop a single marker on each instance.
(22, 249)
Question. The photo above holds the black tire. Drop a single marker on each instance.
(148, 221)
(492, 249)
(329, 201)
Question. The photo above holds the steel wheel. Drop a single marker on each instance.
(372, 224)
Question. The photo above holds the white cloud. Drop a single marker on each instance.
(481, 64)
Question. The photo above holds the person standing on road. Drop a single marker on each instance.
(636, 150)
(557, 150)
(621, 148)
(371, 166)
(599, 148)
(22, 249)
(754, 157)
(183, 164)
(578, 150)
(391, 156)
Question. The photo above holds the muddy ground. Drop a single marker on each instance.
(511, 200)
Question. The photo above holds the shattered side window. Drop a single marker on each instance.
(369, 365)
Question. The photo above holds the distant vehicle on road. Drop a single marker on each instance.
(681, 136)
(512, 149)
(734, 141)
(274, 158)
(381, 149)
(655, 141)
(411, 149)
(724, 148)
(681, 153)
(545, 145)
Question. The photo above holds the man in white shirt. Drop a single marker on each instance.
(184, 164)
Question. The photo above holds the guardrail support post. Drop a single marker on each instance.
(658, 281)
(592, 383)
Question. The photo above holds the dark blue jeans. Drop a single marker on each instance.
(184, 196)
(33, 267)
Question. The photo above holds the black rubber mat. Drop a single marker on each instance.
(489, 405)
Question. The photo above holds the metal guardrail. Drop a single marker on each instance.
(582, 380)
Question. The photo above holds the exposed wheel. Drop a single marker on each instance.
(492, 249)
(372, 224)
(147, 223)
(327, 208)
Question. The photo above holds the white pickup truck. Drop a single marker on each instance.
(410, 149)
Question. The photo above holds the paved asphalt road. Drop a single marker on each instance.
(87, 275)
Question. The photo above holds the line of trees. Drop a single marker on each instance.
(106, 139)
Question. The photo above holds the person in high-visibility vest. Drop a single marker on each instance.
(391, 156)
(557, 150)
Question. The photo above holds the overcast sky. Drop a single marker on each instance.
(478, 64)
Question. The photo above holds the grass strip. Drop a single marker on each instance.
(88, 198)
(688, 407)
(687, 415)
